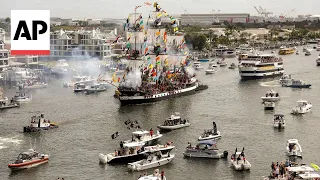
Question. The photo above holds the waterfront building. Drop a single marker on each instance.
(208, 19)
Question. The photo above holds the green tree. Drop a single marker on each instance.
(200, 41)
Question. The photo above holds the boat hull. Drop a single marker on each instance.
(268, 108)
(210, 137)
(142, 99)
(120, 159)
(298, 86)
(240, 165)
(261, 76)
(174, 127)
(272, 99)
(10, 106)
(28, 164)
(37, 129)
(136, 166)
(205, 154)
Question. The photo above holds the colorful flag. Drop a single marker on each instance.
(147, 4)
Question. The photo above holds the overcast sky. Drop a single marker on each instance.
(121, 8)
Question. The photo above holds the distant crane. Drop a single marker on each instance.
(186, 12)
(263, 12)
(284, 16)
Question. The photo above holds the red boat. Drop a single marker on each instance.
(29, 159)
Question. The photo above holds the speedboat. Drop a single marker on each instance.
(223, 64)
(212, 65)
(155, 176)
(302, 107)
(39, 123)
(100, 87)
(296, 84)
(308, 53)
(285, 79)
(294, 148)
(210, 134)
(210, 71)
(6, 104)
(279, 121)
(271, 96)
(205, 149)
(174, 122)
(29, 159)
(269, 105)
(143, 136)
(318, 61)
(155, 157)
(124, 154)
(21, 98)
(79, 87)
(232, 66)
(239, 161)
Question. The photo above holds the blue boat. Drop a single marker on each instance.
(203, 60)
(296, 84)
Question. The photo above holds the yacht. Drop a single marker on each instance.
(269, 105)
(296, 84)
(155, 158)
(302, 107)
(205, 149)
(210, 71)
(318, 61)
(279, 121)
(293, 148)
(239, 161)
(143, 136)
(260, 66)
(39, 123)
(29, 159)
(174, 122)
(211, 133)
(99, 87)
(22, 97)
(271, 96)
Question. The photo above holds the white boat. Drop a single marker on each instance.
(308, 53)
(302, 107)
(223, 64)
(155, 176)
(220, 61)
(61, 68)
(79, 87)
(239, 161)
(232, 66)
(143, 136)
(212, 65)
(33, 85)
(269, 105)
(279, 121)
(174, 122)
(293, 148)
(318, 61)
(99, 87)
(210, 134)
(205, 149)
(285, 79)
(297, 53)
(210, 71)
(305, 49)
(22, 97)
(29, 159)
(79, 80)
(155, 158)
(271, 96)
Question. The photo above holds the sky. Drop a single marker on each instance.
(121, 8)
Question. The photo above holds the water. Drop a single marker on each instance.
(87, 122)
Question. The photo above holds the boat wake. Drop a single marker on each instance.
(274, 83)
(4, 142)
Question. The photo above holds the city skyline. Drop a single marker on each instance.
(111, 9)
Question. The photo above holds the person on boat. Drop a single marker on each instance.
(151, 132)
(238, 159)
(287, 163)
(121, 144)
(115, 153)
(189, 145)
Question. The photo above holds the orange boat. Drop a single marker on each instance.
(29, 159)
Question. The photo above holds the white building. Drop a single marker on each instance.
(4, 56)
(65, 44)
(208, 19)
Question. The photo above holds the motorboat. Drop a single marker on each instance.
(279, 121)
(293, 148)
(269, 105)
(155, 158)
(308, 53)
(22, 97)
(305, 49)
(271, 96)
(318, 61)
(223, 64)
(239, 161)
(212, 65)
(155, 176)
(39, 123)
(302, 107)
(79, 80)
(297, 172)
(6, 104)
(61, 67)
(210, 134)
(143, 136)
(232, 66)
(296, 84)
(29, 159)
(205, 149)
(285, 79)
(272, 52)
(99, 87)
(79, 87)
(210, 71)
(220, 61)
(298, 52)
(33, 85)
(174, 122)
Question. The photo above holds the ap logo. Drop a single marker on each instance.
(30, 32)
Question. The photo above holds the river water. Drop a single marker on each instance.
(87, 121)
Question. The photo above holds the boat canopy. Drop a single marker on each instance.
(210, 142)
(134, 144)
(140, 132)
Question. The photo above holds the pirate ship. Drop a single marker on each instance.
(165, 72)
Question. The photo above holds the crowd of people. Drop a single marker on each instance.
(279, 170)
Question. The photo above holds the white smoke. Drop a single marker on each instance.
(132, 80)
